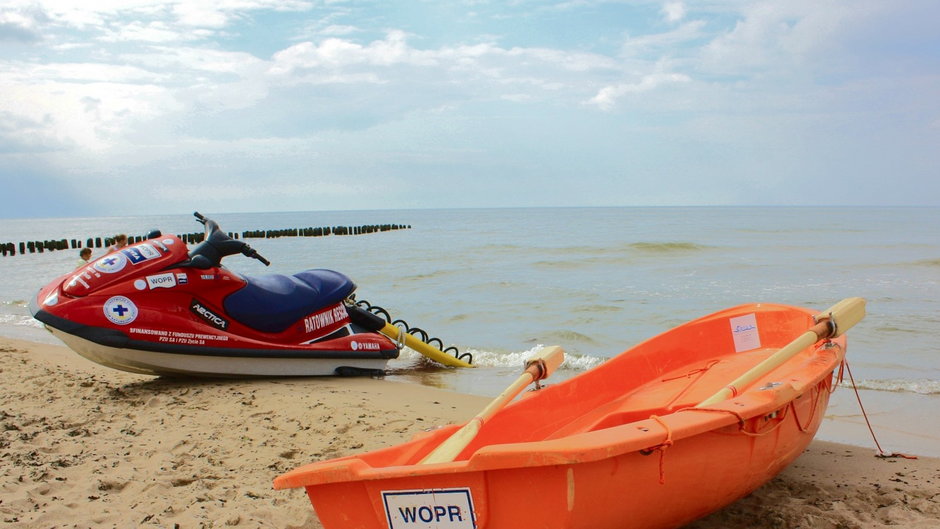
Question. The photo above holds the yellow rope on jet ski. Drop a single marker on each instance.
(431, 352)
(377, 319)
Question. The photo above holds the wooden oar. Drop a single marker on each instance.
(831, 323)
(538, 367)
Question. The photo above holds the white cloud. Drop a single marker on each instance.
(152, 20)
(674, 11)
(788, 36)
(336, 53)
(178, 61)
(153, 32)
(86, 115)
(335, 30)
(493, 72)
(674, 42)
(202, 15)
(25, 74)
(606, 98)
(20, 25)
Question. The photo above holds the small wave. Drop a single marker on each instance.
(429, 275)
(582, 362)
(518, 359)
(30, 322)
(667, 247)
(575, 250)
(919, 386)
(893, 329)
(612, 258)
(928, 262)
(497, 248)
(569, 337)
(563, 265)
(591, 309)
(20, 320)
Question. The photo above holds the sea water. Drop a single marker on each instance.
(499, 283)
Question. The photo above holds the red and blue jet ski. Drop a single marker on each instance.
(157, 308)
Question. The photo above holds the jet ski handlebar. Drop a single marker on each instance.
(251, 252)
(218, 244)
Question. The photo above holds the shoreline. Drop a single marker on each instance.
(87, 446)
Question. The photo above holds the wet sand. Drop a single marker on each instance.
(86, 446)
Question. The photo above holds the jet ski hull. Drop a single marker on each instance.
(257, 364)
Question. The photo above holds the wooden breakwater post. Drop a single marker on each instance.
(10, 248)
(322, 231)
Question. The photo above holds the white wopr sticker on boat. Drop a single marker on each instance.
(744, 331)
(429, 509)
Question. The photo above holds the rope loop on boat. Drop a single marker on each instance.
(812, 414)
(842, 365)
(697, 371)
(738, 416)
(661, 447)
(693, 377)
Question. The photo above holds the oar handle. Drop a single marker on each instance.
(538, 367)
(843, 315)
(545, 362)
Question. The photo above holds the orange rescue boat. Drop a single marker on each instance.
(665, 433)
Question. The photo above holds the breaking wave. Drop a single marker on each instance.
(515, 359)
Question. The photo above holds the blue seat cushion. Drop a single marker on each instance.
(272, 303)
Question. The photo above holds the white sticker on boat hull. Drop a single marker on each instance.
(429, 509)
(744, 331)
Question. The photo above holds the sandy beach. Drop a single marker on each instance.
(86, 446)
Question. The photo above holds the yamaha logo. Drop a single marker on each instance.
(364, 346)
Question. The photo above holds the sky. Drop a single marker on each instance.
(125, 107)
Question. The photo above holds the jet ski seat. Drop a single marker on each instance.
(272, 303)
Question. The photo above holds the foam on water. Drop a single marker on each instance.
(511, 360)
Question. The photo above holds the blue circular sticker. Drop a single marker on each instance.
(120, 310)
(111, 263)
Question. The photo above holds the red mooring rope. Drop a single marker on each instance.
(881, 452)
